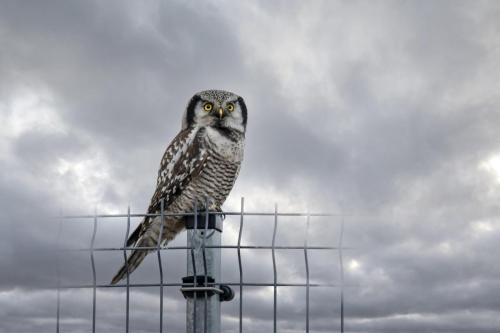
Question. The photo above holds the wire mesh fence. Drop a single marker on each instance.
(203, 288)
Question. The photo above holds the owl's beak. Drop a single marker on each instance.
(221, 113)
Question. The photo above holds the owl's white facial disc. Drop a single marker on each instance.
(218, 109)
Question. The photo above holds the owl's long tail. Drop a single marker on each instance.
(149, 239)
(133, 262)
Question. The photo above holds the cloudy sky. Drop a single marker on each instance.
(384, 110)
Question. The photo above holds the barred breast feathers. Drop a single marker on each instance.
(227, 144)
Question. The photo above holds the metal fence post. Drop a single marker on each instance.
(201, 287)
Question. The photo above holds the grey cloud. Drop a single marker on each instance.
(393, 130)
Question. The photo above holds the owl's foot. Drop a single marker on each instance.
(218, 210)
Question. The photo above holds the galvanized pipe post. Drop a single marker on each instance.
(204, 271)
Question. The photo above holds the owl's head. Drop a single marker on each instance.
(216, 108)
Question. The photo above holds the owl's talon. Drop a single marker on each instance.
(220, 212)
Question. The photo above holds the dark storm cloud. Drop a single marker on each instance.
(385, 110)
(108, 72)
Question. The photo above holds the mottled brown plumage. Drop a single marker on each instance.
(202, 162)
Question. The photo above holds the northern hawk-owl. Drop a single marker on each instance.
(201, 162)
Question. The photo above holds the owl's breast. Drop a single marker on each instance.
(214, 181)
(228, 144)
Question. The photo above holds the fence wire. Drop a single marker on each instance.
(159, 248)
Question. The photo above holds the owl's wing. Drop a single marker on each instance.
(183, 160)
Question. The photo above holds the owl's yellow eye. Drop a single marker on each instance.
(230, 107)
(208, 107)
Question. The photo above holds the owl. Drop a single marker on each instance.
(201, 162)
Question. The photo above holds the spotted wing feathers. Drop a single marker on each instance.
(182, 161)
